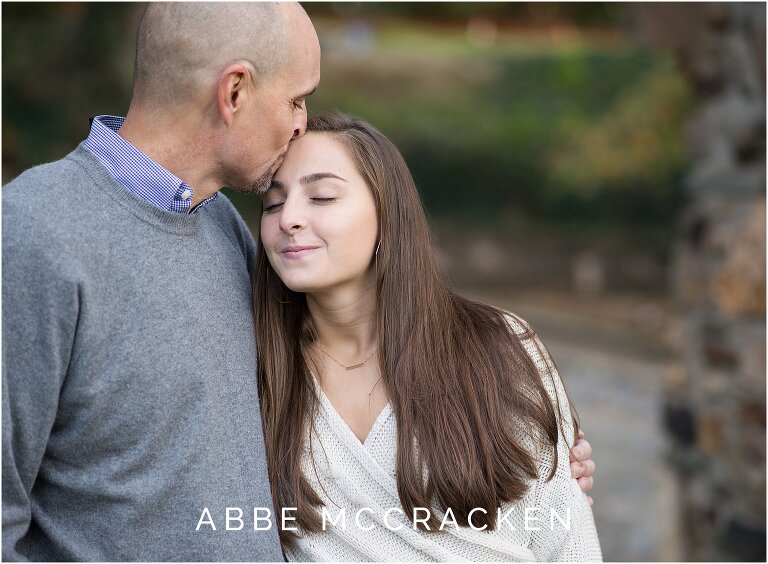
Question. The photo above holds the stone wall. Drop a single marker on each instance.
(715, 398)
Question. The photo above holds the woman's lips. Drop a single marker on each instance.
(297, 252)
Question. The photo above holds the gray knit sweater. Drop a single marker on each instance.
(129, 395)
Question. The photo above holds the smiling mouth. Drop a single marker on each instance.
(297, 252)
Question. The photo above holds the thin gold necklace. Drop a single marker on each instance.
(352, 367)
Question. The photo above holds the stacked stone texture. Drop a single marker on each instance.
(715, 399)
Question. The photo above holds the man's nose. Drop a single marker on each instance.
(300, 124)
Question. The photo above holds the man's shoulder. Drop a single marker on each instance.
(38, 182)
(44, 205)
(225, 214)
(50, 190)
(223, 208)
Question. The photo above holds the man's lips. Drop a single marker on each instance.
(297, 251)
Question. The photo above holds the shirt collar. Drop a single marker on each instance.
(136, 171)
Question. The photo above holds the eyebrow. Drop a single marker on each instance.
(308, 179)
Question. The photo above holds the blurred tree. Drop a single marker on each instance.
(62, 62)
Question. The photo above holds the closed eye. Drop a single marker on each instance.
(272, 207)
(323, 200)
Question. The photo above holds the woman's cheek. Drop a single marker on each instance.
(268, 226)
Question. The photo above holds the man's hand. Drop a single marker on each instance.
(582, 465)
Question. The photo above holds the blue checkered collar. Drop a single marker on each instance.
(136, 171)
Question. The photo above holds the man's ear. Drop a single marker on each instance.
(233, 88)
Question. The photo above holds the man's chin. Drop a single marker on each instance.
(258, 186)
(262, 183)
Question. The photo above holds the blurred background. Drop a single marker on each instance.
(598, 168)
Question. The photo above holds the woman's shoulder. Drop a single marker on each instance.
(530, 341)
(550, 375)
(519, 325)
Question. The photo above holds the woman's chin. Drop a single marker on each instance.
(301, 286)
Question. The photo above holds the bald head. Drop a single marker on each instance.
(181, 47)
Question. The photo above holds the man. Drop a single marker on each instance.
(129, 402)
(130, 412)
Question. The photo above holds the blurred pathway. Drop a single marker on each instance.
(614, 378)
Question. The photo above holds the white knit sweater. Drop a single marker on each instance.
(360, 477)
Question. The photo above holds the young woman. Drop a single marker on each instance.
(402, 421)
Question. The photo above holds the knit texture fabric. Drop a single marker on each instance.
(129, 393)
(356, 476)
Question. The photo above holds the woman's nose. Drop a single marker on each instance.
(292, 218)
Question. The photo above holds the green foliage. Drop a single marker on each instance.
(637, 139)
(574, 134)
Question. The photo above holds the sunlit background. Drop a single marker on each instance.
(598, 168)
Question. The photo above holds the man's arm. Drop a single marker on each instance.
(40, 306)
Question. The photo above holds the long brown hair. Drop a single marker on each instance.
(457, 376)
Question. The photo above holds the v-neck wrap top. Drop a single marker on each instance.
(364, 520)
